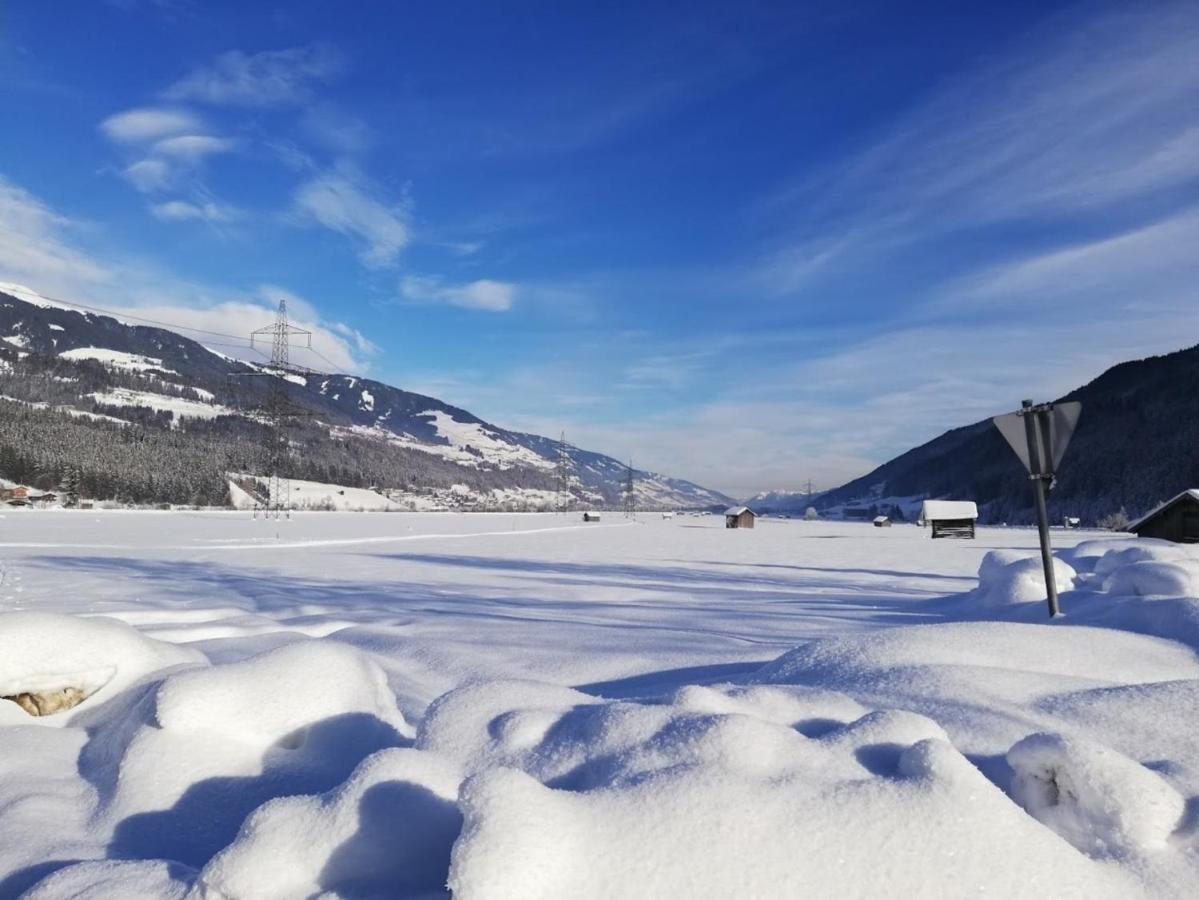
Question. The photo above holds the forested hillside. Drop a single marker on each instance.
(1137, 444)
(144, 415)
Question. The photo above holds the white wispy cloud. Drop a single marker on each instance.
(161, 145)
(183, 211)
(148, 175)
(1088, 112)
(148, 124)
(192, 146)
(1159, 257)
(482, 294)
(269, 78)
(39, 248)
(35, 244)
(343, 204)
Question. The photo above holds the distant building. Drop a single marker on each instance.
(950, 518)
(1175, 520)
(1071, 521)
(882, 522)
(591, 517)
(739, 517)
(667, 515)
(15, 496)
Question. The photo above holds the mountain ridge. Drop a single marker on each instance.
(1134, 447)
(87, 370)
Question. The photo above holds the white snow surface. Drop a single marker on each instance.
(178, 407)
(118, 359)
(523, 706)
(315, 495)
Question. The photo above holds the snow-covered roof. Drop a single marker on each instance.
(738, 510)
(882, 519)
(1193, 493)
(948, 509)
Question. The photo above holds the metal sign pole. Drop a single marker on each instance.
(1037, 452)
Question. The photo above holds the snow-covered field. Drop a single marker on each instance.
(523, 706)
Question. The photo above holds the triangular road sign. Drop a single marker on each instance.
(1061, 419)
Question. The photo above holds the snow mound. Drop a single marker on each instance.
(1140, 720)
(42, 653)
(274, 699)
(1007, 577)
(116, 880)
(182, 766)
(1085, 556)
(1150, 551)
(387, 831)
(1151, 578)
(857, 661)
(1102, 802)
(979, 679)
(620, 799)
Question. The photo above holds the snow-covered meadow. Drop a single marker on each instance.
(524, 706)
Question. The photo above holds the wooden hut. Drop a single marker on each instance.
(739, 517)
(882, 522)
(591, 517)
(950, 518)
(1175, 520)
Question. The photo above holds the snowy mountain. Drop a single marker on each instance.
(149, 415)
(782, 501)
(1134, 447)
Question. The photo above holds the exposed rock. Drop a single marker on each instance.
(48, 702)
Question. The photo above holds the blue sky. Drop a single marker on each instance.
(745, 243)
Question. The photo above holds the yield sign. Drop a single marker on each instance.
(1053, 425)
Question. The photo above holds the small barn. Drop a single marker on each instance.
(739, 517)
(950, 518)
(1175, 520)
(591, 517)
(882, 522)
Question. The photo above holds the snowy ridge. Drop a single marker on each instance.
(402, 436)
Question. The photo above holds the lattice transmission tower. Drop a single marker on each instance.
(563, 470)
(278, 409)
(630, 494)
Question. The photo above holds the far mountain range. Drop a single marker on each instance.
(141, 414)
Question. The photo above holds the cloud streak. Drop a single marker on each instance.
(270, 78)
(482, 294)
(341, 204)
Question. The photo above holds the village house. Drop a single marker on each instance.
(1175, 520)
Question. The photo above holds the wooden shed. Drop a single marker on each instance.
(882, 522)
(739, 517)
(950, 518)
(591, 517)
(1175, 520)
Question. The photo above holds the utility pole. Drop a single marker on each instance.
(278, 408)
(630, 494)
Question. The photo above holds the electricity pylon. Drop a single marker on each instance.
(562, 472)
(278, 408)
(630, 494)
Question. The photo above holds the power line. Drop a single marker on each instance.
(175, 326)
(123, 315)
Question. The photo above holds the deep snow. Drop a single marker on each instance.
(524, 706)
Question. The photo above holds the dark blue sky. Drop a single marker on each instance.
(747, 243)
